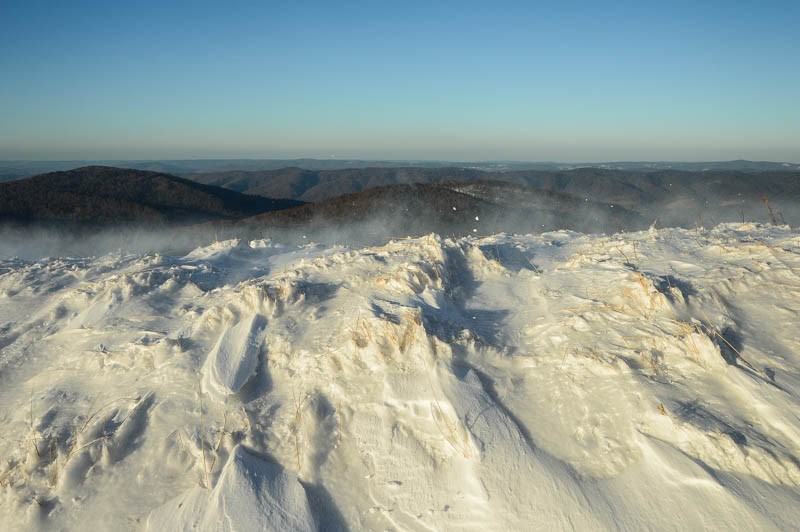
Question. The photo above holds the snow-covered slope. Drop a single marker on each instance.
(560, 381)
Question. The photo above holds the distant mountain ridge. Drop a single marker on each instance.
(98, 194)
(19, 169)
(316, 185)
(634, 190)
(410, 200)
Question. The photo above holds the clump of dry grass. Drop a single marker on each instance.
(360, 333)
(686, 333)
(50, 450)
(208, 468)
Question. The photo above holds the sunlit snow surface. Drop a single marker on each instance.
(558, 381)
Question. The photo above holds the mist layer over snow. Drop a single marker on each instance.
(561, 381)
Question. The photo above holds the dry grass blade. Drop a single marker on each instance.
(33, 431)
(772, 216)
(298, 426)
(202, 438)
(712, 331)
(222, 434)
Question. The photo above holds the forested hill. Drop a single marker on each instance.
(454, 207)
(103, 194)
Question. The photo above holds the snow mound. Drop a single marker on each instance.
(216, 250)
(235, 356)
(252, 494)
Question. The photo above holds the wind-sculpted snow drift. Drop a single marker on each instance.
(560, 381)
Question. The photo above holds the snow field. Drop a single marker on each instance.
(559, 381)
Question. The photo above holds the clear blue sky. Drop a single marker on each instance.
(566, 81)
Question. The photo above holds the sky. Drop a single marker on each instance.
(461, 81)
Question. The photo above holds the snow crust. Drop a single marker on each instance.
(560, 381)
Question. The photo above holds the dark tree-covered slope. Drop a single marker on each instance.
(457, 207)
(102, 194)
